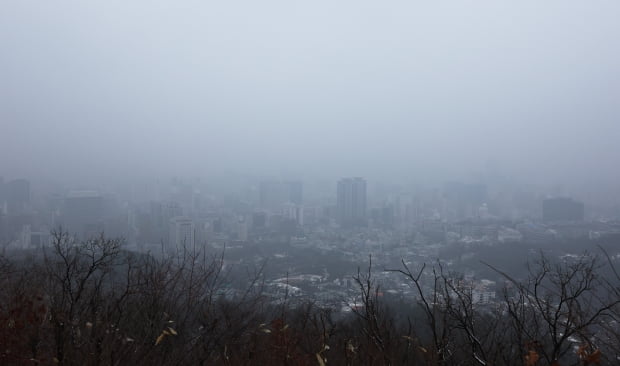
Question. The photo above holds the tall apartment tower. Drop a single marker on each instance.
(181, 234)
(351, 202)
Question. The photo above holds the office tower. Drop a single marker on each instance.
(83, 214)
(162, 212)
(294, 212)
(241, 228)
(562, 209)
(181, 234)
(463, 200)
(351, 202)
(295, 192)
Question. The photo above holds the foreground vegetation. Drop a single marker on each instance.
(90, 303)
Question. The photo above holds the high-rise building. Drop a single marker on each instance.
(562, 209)
(295, 192)
(294, 212)
(181, 233)
(83, 214)
(241, 228)
(351, 202)
(463, 200)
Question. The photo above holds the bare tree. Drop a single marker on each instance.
(75, 274)
(557, 312)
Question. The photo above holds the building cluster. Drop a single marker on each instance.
(177, 214)
(279, 220)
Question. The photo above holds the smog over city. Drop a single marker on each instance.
(319, 182)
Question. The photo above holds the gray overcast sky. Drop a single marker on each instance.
(311, 88)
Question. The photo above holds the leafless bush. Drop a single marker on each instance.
(91, 303)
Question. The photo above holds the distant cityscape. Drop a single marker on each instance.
(313, 237)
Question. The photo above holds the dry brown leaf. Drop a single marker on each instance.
(531, 358)
(593, 358)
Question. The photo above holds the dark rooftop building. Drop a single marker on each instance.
(83, 213)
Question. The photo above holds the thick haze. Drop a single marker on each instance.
(396, 89)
